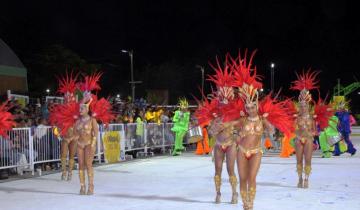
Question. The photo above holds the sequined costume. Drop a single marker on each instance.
(86, 129)
(255, 119)
(239, 122)
(63, 116)
(308, 118)
(221, 130)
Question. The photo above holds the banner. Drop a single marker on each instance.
(111, 141)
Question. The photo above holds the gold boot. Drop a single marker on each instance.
(217, 180)
(307, 174)
(91, 182)
(71, 167)
(63, 169)
(233, 183)
(251, 194)
(245, 199)
(299, 169)
(82, 182)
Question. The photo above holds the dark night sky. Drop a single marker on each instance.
(295, 34)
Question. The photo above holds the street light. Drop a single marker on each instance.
(132, 82)
(48, 91)
(272, 65)
(202, 76)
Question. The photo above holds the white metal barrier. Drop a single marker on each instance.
(25, 147)
(46, 145)
(16, 150)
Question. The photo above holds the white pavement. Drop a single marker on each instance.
(186, 182)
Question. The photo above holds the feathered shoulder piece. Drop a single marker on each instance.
(64, 116)
(291, 107)
(67, 83)
(277, 113)
(207, 110)
(6, 119)
(322, 113)
(306, 81)
(234, 110)
(102, 110)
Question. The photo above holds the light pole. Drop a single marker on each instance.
(272, 65)
(202, 76)
(132, 82)
(48, 91)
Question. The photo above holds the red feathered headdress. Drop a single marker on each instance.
(91, 83)
(67, 86)
(6, 119)
(304, 83)
(246, 79)
(224, 81)
(243, 72)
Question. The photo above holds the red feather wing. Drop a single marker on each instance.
(277, 114)
(322, 114)
(64, 116)
(102, 110)
(6, 119)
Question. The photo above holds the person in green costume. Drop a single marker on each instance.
(181, 124)
(327, 136)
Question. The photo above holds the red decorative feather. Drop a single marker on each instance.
(6, 119)
(101, 110)
(244, 73)
(233, 110)
(322, 113)
(223, 77)
(206, 110)
(291, 107)
(91, 82)
(307, 81)
(67, 84)
(276, 112)
(64, 116)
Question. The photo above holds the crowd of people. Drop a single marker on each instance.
(35, 115)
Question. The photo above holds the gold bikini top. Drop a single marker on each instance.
(253, 127)
(84, 126)
(304, 125)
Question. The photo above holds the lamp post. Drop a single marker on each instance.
(132, 82)
(202, 76)
(48, 91)
(272, 65)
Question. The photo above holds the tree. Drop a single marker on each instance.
(53, 61)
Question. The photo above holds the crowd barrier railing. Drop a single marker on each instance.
(25, 148)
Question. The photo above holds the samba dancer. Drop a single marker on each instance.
(306, 123)
(87, 129)
(221, 127)
(63, 116)
(256, 118)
